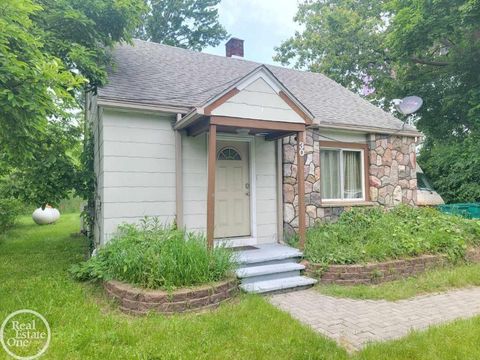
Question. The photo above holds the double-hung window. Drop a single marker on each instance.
(342, 174)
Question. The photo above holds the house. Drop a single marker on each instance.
(244, 152)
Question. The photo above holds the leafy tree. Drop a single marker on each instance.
(455, 166)
(436, 47)
(81, 33)
(399, 48)
(34, 85)
(53, 171)
(341, 38)
(50, 52)
(191, 24)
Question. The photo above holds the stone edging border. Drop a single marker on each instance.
(375, 273)
(138, 301)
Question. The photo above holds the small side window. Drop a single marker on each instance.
(422, 182)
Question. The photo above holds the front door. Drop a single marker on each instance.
(232, 190)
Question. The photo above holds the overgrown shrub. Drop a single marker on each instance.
(453, 168)
(71, 204)
(155, 256)
(10, 210)
(363, 235)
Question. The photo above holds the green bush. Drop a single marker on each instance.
(453, 168)
(155, 256)
(363, 235)
(71, 204)
(10, 209)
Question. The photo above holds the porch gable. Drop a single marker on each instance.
(258, 101)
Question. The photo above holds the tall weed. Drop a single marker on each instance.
(156, 256)
(363, 235)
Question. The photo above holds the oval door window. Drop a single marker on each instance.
(228, 153)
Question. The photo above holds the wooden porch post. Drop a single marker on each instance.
(301, 188)
(212, 152)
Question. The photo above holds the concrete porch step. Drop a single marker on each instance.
(271, 268)
(262, 270)
(268, 255)
(278, 285)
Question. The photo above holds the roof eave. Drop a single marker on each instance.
(188, 119)
(144, 106)
(370, 129)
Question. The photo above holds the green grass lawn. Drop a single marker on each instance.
(457, 340)
(33, 274)
(85, 325)
(432, 281)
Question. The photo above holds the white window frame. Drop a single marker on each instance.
(342, 175)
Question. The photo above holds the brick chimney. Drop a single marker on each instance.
(234, 47)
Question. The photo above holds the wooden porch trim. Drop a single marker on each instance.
(224, 98)
(295, 108)
(212, 152)
(301, 189)
(256, 124)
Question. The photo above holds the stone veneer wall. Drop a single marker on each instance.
(393, 174)
(312, 182)
(392, 177)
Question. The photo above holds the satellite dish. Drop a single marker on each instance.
(408, 105)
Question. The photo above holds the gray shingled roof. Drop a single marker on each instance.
(156, 74)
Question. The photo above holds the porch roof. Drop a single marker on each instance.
(289, 114)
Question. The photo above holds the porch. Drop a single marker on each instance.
(279, 130)
(244, 180)
(256, 110)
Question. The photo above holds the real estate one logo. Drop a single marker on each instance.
(25, 334)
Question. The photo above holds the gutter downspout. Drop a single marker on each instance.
(178, 176)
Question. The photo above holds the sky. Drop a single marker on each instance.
(263, 24)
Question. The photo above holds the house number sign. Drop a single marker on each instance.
(301, 150)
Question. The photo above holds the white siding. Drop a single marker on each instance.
(135, 166)
(138, 168)
(194, 151)
(265, 181)
(258, 101)
(342, 136)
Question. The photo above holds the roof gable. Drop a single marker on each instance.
(258, 95)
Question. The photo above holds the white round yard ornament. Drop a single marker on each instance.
(45, 216)
(408, 105)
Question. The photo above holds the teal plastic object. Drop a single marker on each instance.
(467, 210)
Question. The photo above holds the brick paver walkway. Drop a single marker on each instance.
(354, 323)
